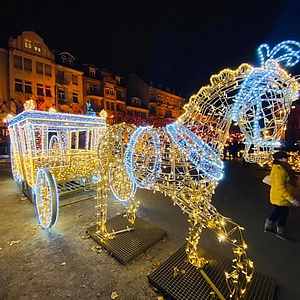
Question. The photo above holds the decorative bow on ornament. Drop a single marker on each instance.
(285, 51)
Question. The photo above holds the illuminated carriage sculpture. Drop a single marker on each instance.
(183, 160)
(49, 148)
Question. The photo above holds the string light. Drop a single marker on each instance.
(181, 160)
(49, 148)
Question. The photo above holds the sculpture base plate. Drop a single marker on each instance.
(192, 284)
(128, 244)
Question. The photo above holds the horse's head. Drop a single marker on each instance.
(264, 101)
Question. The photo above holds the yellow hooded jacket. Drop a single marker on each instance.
(281, 192)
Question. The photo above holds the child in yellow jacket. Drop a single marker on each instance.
(282, 194)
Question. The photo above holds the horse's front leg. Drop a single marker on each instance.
(195, 231)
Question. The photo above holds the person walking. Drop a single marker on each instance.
(282, 194)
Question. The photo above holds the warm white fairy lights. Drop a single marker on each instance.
(132, 146)
(183, 160)
(49, 148)
(30, 105)
(293, 160)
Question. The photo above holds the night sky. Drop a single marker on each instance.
(179, 45)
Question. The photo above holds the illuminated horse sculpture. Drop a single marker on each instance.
(183, 160)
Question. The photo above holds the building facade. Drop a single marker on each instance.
(29, 69)
(59, 80)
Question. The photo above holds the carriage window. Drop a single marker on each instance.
(82, 140)
(73, 140)
(78, 139)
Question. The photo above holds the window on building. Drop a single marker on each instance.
(60, 76)
(119, 107)
(61, 94)
(92, 72)
(39, 67)
(37, 47)
(64, 59)
(92, 88)
(75, 97)
(48, 91)
(96, 105)
(48, 70)
(27, 64)
(120, 95)
(28, 87)
(74, 79)
(152, 110)
(168, 114)
(18, 62)
(136, 102)
(109, 91)
(70, 61)
(18, 85)
(40, 89)
(28, 44)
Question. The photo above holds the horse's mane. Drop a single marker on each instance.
(219, 81)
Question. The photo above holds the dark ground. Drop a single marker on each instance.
(62, 263)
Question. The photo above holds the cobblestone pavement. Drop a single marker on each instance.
(62, 263)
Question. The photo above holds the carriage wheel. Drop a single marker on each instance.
(46, 198)
(120, 184)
